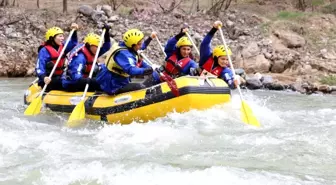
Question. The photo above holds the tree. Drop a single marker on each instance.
(217, 6)
(4, 3)
(65, 6)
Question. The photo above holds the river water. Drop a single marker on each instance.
(295, 145)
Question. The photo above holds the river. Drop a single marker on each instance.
(295, 145)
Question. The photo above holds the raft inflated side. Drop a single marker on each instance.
(142, 105)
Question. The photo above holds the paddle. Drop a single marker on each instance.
(35, 106)
(192, 43)
(246, 112)
(170, 81)
(78, 113)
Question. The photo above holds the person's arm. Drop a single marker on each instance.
(41, 64)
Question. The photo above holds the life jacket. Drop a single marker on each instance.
(174, 66)
(88, 55)
(208, 66)
(113, 66)
(54, 56)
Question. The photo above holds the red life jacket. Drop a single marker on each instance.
(175, 66)
(89, 61)
(208, 65)
(54, 56)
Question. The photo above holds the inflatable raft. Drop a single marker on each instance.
(142, 105)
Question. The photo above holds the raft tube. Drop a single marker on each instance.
(141, 105)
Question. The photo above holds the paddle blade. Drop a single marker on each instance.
(247, 115)
(35, 107)
(77, 115)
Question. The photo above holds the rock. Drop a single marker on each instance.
(113, 18)
(107, 9)
(324, 88)
(229, 24)
(232, 17)
(30, 71)
(257, 64)
(333, 88)
(266, 79)
(278, 66)
(85, 10)
(251, 50)
(327, 55)
(298, 87)
(253, 83)
(290, 39)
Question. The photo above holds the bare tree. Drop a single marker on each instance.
(4, 3)
(115, 4)
(174, 4)
(38, 3)
(218, 5)
(302, 5)
(65, 6)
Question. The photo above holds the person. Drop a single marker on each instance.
(123, 62)
(48, 54)
(179, 60)
(81, 59)
(216, 61)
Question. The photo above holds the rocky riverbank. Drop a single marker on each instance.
(278, 59)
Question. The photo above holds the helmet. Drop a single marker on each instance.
(220, 51)
(132, 36)
(183, 41)
(92, 39)
(52, 32)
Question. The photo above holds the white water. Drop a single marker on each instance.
(295, 145)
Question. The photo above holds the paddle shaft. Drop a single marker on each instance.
(58, 60)
(193, 43)
(94, 63)
(233, 70)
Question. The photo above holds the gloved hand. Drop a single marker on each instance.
(194, 72)
(185, 28)
(217, 24)
(74, 26)
(148, 71)
(107, 27)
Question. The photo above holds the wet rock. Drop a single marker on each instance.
(253, 83)
(324, 88)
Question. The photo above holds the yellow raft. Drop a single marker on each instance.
(142, 105)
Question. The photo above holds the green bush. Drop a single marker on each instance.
(290, 15)
(328, 80)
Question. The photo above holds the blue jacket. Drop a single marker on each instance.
(170, 48)
(206, 53)
(77, 63)
(44, 57)
(126, 59)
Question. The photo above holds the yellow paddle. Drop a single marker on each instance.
(35, 106)
(246, 111)
(78, 112)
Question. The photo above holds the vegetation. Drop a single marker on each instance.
(328, 80)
